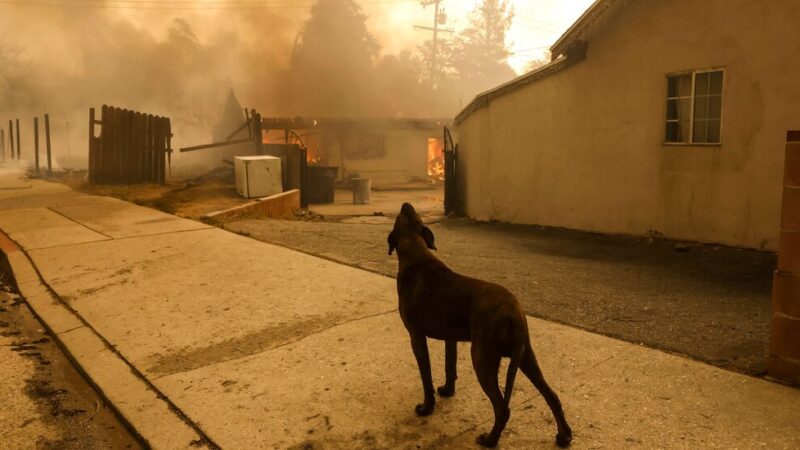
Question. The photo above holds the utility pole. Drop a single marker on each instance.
(439, 18)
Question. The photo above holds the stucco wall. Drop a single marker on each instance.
(583, 148)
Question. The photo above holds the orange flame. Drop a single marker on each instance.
(435, 160)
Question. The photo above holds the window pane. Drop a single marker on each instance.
(715, 107)
(684, 108)
(677, 131)
(672, 86)
(672, 109)
(685, 88)
(713, 131)
(672, 132)
(701, 84)
(699, 133)
(701, 107)
(716, 82)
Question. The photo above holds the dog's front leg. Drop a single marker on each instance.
(450, 359)
(420, 346)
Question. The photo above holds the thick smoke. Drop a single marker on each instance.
(182, 64)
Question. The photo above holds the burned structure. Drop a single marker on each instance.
(388, 151)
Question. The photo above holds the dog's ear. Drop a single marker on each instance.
(427, 234)
(392, 241)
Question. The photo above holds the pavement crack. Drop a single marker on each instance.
(71, 329)
(79, 223)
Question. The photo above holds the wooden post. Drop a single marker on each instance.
(249, 123)
(36, 143)
(92, 148)
(3, 143)
(47, 138)
(11, 137)
(104, 147)
(19, 147)
(169, 148)
(258, 138)
(303, 178)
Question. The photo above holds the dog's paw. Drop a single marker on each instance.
(424, 409)
(485, 440)
(563, 439)
(446, 391)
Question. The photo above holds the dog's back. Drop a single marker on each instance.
(432, 295)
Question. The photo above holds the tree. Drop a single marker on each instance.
(480, 52)
(332, 65)
(439, 62)
(535, 64)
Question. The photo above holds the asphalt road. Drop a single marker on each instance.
(710, 303)
(46, 404)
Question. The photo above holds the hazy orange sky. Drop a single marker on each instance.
(537, 23)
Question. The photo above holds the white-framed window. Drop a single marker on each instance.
(694, 107)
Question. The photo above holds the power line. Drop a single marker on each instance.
(525, 50)
(550, 27)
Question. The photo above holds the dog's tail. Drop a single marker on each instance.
(513, 365)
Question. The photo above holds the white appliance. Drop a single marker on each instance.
(258, 176)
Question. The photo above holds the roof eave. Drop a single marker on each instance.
(483, 99)
(563, 43)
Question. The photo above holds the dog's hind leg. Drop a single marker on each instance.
(450, 360)
(531, 369)
(419, 344)
(486, 363)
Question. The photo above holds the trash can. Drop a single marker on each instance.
(321, 183)
(361, 188)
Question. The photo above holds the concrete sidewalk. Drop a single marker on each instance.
(203, 337)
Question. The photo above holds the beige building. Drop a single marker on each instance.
(665, 116)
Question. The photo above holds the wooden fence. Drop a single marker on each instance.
(132, 147)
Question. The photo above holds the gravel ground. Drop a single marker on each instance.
(46, 404)
(707, 302)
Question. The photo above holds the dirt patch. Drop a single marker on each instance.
(190, 198)
(63, 399)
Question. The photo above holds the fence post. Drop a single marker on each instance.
(19, 147)
(11, 136)
(36, 143)
(47, 138)
(92, 149)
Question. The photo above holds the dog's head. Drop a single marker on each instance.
(409, 224)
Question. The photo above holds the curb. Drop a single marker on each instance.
(145, 411)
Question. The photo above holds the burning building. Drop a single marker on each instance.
(388, 151)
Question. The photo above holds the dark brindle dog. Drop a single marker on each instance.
(437, 303)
